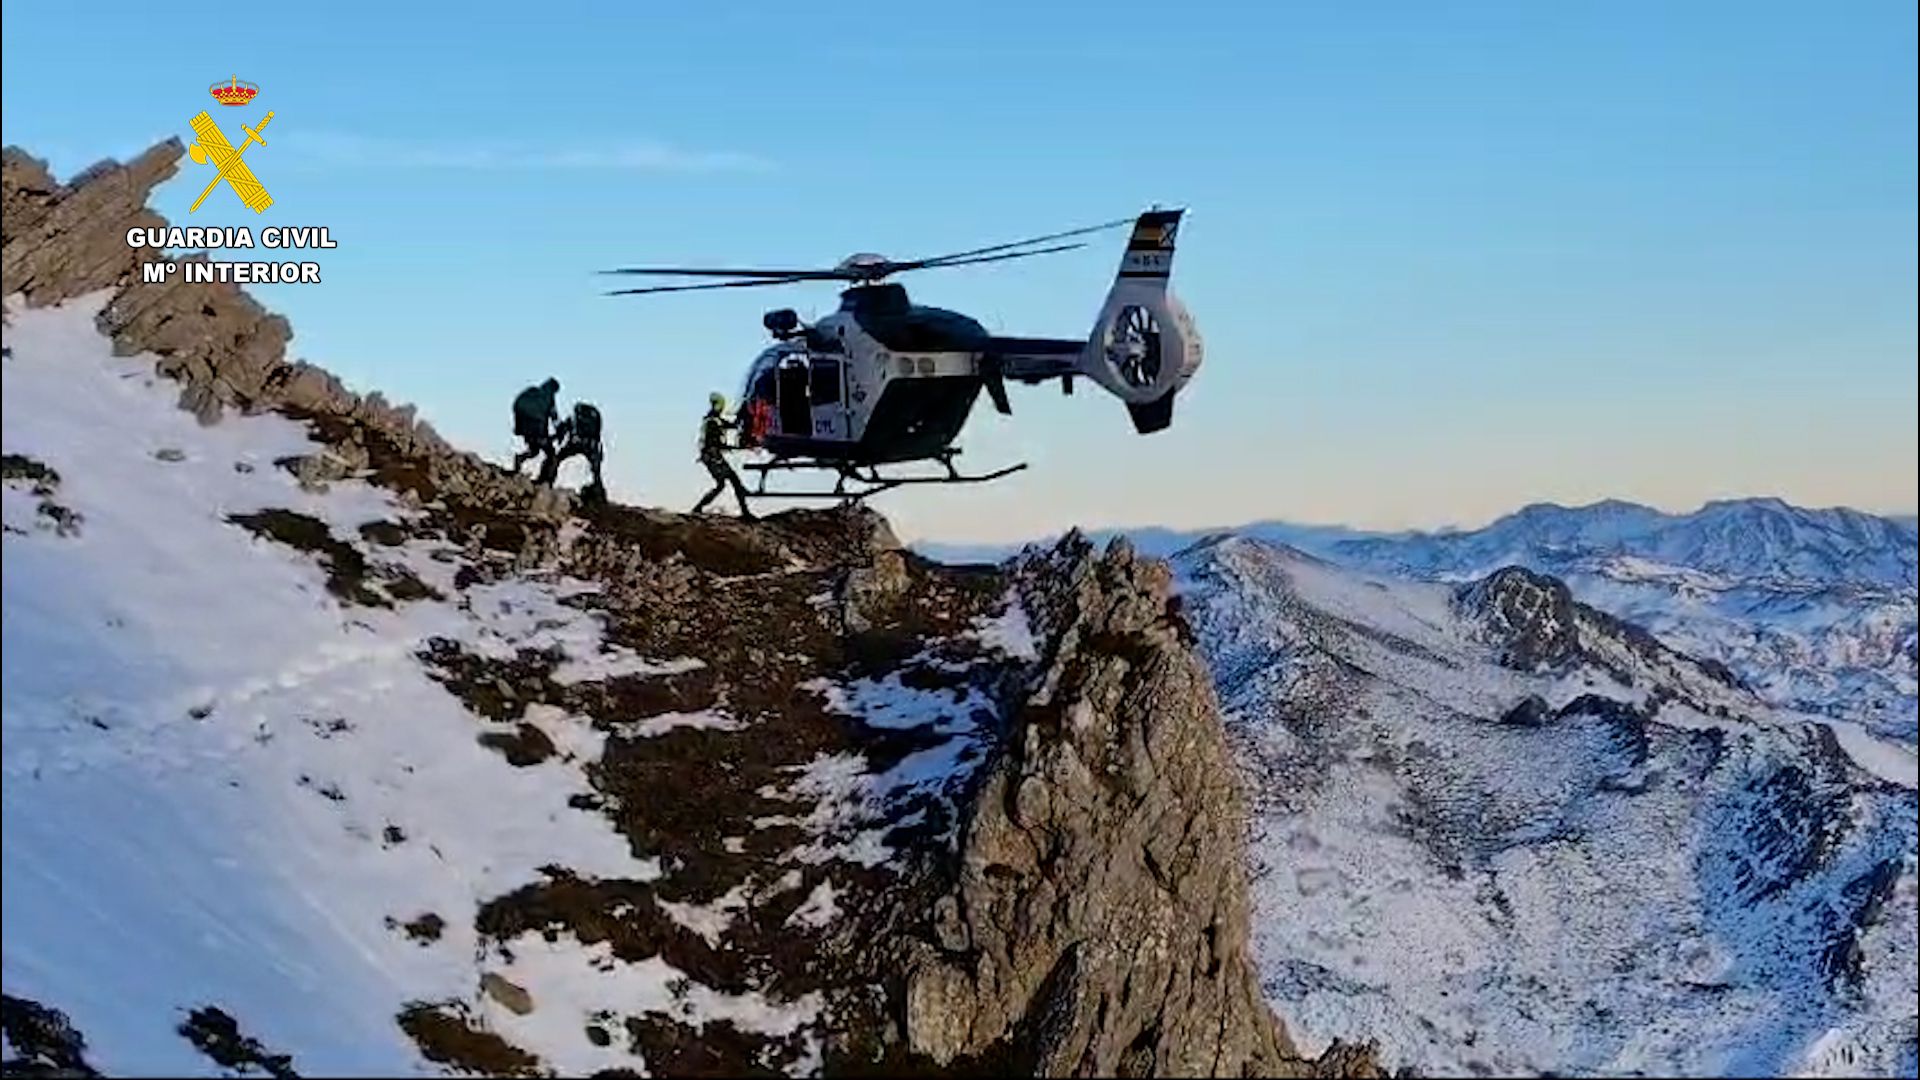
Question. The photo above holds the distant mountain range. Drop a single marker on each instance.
(1505, 833)
(1812, 609)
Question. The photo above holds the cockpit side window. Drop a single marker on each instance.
(820, 341)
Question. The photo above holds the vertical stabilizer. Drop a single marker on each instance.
(1144, 346)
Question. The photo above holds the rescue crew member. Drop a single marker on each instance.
(534, 413)
(713, 448)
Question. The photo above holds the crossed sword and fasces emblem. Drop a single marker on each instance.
(212, 145)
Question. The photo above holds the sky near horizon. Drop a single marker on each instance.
(1446, 262)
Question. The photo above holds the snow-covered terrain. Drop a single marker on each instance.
(1813, 609)
(222, 786)
(1505, 834)
(307, 756)
(232, 779)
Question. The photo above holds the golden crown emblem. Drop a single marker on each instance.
(233, 91)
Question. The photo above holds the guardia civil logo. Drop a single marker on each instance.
(212, 147)
(231, 168)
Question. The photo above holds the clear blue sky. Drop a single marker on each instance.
(1448, 257)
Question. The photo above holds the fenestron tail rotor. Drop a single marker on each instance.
(859, 269)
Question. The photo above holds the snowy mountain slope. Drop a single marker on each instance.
(331, 750)
(1506, 834)
(1815, 610)
(235, 774)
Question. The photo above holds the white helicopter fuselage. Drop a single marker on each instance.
(829, 384)
(885, 380)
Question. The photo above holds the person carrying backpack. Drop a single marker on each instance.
(534, 412)
(578, 436)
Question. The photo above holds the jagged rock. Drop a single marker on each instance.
(551, 503)
(211, 336)
(510, 995)
(869, 590)
(317, 470)
(1528, 615)
(308, 388)
(90, 219)
(214, 1032)
(41, 1040)
(1102, 892)
(1531, 711)
(949, 929)
(200, 400)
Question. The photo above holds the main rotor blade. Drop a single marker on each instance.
(987, 258)
(689, 271)
(939, 259)
(714, 285)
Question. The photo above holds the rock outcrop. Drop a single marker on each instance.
(67, 240)
(1528, 615)
(1072, 900)
(40, 1041)
(226, 351)
(1534, 624)
(1098, 925)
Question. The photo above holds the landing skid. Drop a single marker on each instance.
(853, 483)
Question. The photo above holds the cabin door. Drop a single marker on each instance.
(796, 412)
(827, 391)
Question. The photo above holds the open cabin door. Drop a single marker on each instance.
(792, 409)
(826, 389)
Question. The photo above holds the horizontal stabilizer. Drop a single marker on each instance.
(1034, 359)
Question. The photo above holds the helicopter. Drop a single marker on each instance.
(885, 382)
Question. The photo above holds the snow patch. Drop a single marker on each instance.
(820, 908)
(223, 787)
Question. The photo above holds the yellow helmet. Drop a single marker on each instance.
(717, 400)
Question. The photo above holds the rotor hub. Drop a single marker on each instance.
(865, 266)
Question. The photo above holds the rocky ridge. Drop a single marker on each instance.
(1089, 809)
(227, 352)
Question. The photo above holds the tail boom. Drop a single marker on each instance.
(1144, 347)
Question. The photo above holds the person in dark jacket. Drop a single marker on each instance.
(577, 436)
(713, 454)
(534, 413)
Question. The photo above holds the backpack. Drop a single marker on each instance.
(530, 406)
(586, 423)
